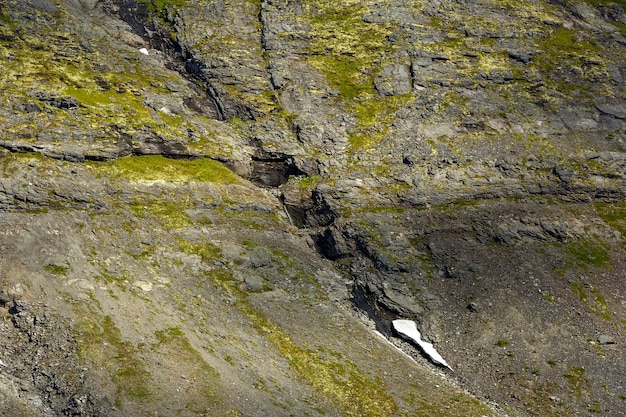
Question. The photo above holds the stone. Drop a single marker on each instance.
(254, 283)
(400, 302)
(259, 258)
(473, 307)
(613, 109)
(394, 80)
(605, 340)
(144, 286)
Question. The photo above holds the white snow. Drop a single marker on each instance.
(144, 51)
(408, 329)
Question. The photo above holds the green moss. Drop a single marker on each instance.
(597, 304)
(207, 251)
(100, 342)
(614, 214)
(502, 342)
(306, 183)
(160, 7)
(548, 296)
(110, 278)
(351, 53)
(202, 397)
(577, 380)
(587, 253)
(336, 378)
(265, 102)
(171, 215)
(598, 348)
(563, 51)
(112, 103)
(579, 289)
(57, 269)
(224, 279)
(600, 306)
(156, 167)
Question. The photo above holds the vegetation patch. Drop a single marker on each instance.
(614, 214)
(336, 378)
(502, 343)
(596, 303)
(565, 51)
(207, 251)
(57, 269)
(585, 254)
(548, 296)
(161, 7)
(577, 380)
(351, 53)
(203, 394)
(170, 214)
(100, 342)
(160, 168)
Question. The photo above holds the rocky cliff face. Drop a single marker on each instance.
(218, 207)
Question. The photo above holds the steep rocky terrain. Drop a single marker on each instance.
(216, 208)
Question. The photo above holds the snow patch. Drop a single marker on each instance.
(408, 329)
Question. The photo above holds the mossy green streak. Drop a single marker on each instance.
(351, 53)
(156, 167)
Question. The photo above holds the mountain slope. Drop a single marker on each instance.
(216, 224)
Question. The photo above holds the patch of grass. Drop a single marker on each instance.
(306, 183)
(170, 214)
(585, 254)
(57, 269)
(207, 251)
(351, 53)
(565, 51)
(336, 378)
(502, 343)
(598, 348)
(548, 296)
(614, 214)
(598, 305)
(160, 7)
(579, 289)
(577, 380)
(100, 342)
(202, 396)
(156, 167)
(224, 279)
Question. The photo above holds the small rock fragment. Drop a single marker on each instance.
(473, 307)
(605, 340)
